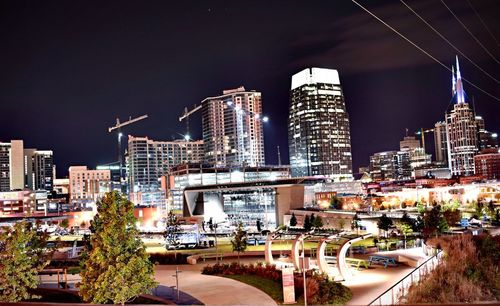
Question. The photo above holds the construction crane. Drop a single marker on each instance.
(422, 132)
(186, 115)
(118, 128)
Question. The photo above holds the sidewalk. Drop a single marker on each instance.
(212, 290)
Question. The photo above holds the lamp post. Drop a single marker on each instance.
(304, 271)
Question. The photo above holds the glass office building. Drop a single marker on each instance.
(318, 126)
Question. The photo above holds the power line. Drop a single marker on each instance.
(423, 51)
(449, 42)
(484, 23)
(468, 31)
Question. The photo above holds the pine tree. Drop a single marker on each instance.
(307, 223)
(311, 220)
(318, 222)
(239, 241)
(23, 254)
(293, 220)
(116, 268)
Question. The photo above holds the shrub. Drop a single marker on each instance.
(469, 272)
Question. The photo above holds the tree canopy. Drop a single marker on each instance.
(293, 220)
(239, 241)
(23, 254)
(384, 223)
(116, 268)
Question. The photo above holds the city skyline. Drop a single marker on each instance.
(72, 99)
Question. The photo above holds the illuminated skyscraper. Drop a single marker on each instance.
(461, 130)
(232, 129)
(318, 126)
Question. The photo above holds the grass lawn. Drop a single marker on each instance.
(270, 287)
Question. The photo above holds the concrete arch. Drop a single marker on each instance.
(268, 251)
(296, 252)
(344, 269)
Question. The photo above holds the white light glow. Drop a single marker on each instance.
(265, 119)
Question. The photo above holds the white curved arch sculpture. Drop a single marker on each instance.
(343, 267)
(268, 252)
(295, 251)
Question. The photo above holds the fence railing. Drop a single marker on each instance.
(393, 295)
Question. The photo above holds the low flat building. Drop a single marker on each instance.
(188, 175)
(23, 203)
(248, 202)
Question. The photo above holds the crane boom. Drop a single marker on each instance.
(189, 113)
(121, 124)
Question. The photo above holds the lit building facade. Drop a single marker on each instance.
(488, 164)
(148, 160)
(383, 165)
(318, 126)
(23, 203)
(440, 142)
(461, 132)
(487, 139)
(233, 129)
(189, 175)
(409, 143)
(38, 169)
(11, 165)
(87, 186)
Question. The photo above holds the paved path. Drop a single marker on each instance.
(212, 290)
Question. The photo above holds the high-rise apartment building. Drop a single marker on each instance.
(461, 131)
(318, 126)
(38, 169)
(232, 129)
(487, 139)
(11, 165)
(148, 160)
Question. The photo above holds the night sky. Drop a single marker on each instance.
(69, 68)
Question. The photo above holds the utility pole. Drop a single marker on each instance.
(304, 271)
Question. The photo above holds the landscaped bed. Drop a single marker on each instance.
(320, 289)
(71, 296)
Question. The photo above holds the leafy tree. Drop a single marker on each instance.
(307, 223)
(318, 222)
(258, 224)
(116, 268)
(405, 229)
(356, 220)
(452, 217)
(419, 224)
(65, 223)
(432, 219)
(341, 224)
(406, 219)
(335, 203)
(239, 241)
(443, 225)
(384, 223)
(420, 207)
(172, 230)
(293, 220)
(23, 254)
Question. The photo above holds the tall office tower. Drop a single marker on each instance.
(486, 139)
(38, 169)
(11, 165)
(409, 143)
(461, 130)
(148, 160)
(440, 142)
(232, 129)
(318, 126)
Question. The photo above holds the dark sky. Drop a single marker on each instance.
(69, 68)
